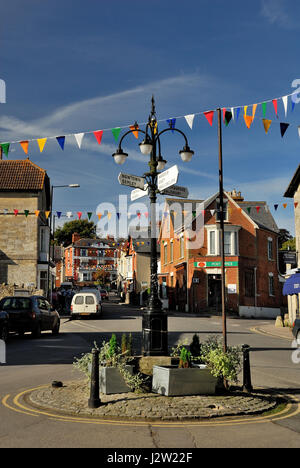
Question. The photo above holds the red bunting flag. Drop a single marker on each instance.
(295, 204)
(16, 212)
(275, 104)
(79, 213)
(257, 209)
(209, 116)
(98, 135)
(224, 113)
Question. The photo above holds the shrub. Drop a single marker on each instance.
(224, 365)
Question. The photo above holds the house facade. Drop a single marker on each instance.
(85, 257)
(24, 227)
(191, 270)
(293, 191)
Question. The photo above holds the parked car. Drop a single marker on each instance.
(30, 314)
(4, 328)
(296, 330)
(104, 294)
(86, 304)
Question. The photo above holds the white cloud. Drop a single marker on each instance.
(274, 11)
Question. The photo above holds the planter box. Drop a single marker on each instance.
(112, 381)
(172, 381)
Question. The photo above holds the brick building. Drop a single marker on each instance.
(24, 229)
(192, 273)
(84, 257)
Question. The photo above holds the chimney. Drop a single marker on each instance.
(236, 196)
(75, 237)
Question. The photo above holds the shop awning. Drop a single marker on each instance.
(292, 285)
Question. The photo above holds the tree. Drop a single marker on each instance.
(285, 238)
(85, 228)
(102, 277)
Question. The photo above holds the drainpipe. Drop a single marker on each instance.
(255, 288)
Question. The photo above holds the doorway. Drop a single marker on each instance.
(214, 292)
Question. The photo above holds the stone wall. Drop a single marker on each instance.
(9, 290)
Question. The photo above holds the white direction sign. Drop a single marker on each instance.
(176, 191)
(168, 178)
(138, 193)
(131, 181)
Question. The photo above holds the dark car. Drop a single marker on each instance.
(30, 314)
(296, 330)
(104, 295)
(4, 329)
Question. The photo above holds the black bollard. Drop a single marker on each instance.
(247, 386)
(94, 400)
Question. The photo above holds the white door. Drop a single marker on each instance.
(90, 304)
(78, 304)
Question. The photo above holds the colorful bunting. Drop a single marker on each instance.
(79, 138)
(98, 135)
(116, 133)
(238, 113)
(254, 107)
(16, 212)
(285, 104)
(276, 207)
(275, 107)
(267, 124)
(47, 214)
(171, 123)
(295, 204)
(37, 213)
(58, 213)
(26, 212)
(99, 216)
(248, 120)
(24, 145)
(228, 117)
(41, 142)
(61, 141)
(258, 208)
(264, 109)
(79, 214)
(209, 116)
(283, 128)
(89, 214)
(190, 120)
(135, 130)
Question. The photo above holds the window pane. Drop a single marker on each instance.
(79, 300)
(212, 240)
(227, 243)
(89, 300)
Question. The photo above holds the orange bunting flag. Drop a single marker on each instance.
(267, 124)
(254, 110)
(37, 212)
(295, 204)
(135, 130)
(24, 145)
(284, 205)
(41, 143)
(99, 216)
(248, 120)
(47, 213)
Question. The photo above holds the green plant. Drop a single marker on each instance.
(224, 365)
(185, 358)
(124, 343)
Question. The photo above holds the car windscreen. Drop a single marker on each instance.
(78, 300)
(20, 303)
(5, 304)
(89, 300)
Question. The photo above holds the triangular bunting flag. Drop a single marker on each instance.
(245, 110)
(238, 110)
(224, 112)
(69, 214)
(275, 107)
(283, 128)
(209, 116)
(232, 113)
(24, 145)
(212, 212)
(99, 215)
(26, 212)
(61, 141)
(135, 130)
(264, 109)
(146, 214)
(254, 107)
(275, 207)
(5, 148)
(285, 104)
(295, 204)
(138, 215)
(118, 215)
(248, 120)
(16, 212)
(284, 205)
(190, 120)
(293, 104)
(109, 215)
(37, 213)
(98, 135)
(228, 117)
(58, 213)
(116, 133)
(249, 209)
(41, 142)
(257, 209)
(299, 131)
(47, 214)
(79, 214)
(89, 214)
(79, 138)
(267, 124)
(171, 123)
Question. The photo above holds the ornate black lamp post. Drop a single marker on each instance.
(155, 321)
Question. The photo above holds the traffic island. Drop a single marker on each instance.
(72, 399)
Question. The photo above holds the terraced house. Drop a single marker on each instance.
(24, 229)
(192, 275)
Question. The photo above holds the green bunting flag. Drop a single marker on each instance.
(116, 133)
(5, 148)
(264, 109)
(26, 213)
(89, 215)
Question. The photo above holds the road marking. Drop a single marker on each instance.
(264, 333)
(22, 408)
(91, 327)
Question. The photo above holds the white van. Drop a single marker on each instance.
(86, 304)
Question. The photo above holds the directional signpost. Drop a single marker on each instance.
(168, 178)
(176, 191)
(138, 193)
(131, 181)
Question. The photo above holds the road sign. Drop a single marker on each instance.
(176, 191)
(138, 193)
(214, 264)
(131, 181)
(168, 178)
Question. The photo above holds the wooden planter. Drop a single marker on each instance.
(172, 381)
(112, 381)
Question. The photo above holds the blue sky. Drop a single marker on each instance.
(74, 66)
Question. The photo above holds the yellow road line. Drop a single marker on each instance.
(264, 333)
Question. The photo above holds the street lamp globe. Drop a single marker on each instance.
(186, 154)
(146, 146)
(119, 156)
(161, 164)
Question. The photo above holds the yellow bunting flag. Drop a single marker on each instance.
(37, 212)
(267, 124)
(47, 214)
(248, 120)
(254, 110)
(41, 143)
(245, 110)
(109, 215)
(24, 145)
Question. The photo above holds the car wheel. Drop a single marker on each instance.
(36, 333)
(4, 333)
(21, 333)
(55, 330)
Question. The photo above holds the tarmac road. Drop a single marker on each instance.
(31, 363)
